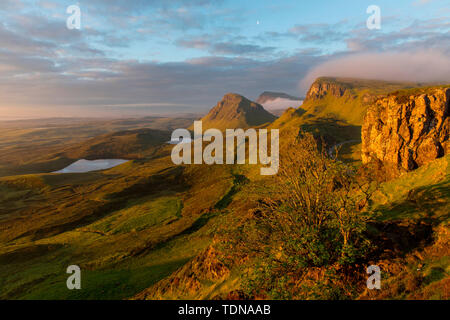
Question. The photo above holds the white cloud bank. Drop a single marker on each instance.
(419, 66)
(281, 103)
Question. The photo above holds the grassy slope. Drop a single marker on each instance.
(414, 209)
(431, 184)
(148, 238)
(35, 146)
(339, 119)
(419, 198)
(352, 106)
(126, 227)
(404, 201)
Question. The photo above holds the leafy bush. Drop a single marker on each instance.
(309, 226)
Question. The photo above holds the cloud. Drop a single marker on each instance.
(417, 35)
(421, 2)
(139, 5)
(198, 82)
(240, 48)
(11, 5)
(320, 32)
(282, 103)
(107, 63)
(420, 66)
(313, 33)
(236, 46)
(155, 15)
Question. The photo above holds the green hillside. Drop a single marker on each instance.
(134, 225)
(126, 227)
(347, 99)
(334, 110)
(36, 146)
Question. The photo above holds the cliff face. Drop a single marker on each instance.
(323, 86)
(404, 131)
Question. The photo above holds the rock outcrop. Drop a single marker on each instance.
(346, 99)
(405, 130)
(325, 86)
(188, 281)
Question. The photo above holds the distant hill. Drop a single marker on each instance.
(268, 96)
(236, 111)
(130, 144)
(27, 146)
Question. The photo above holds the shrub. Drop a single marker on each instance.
(310, 218)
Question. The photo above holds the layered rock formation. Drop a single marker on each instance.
(324, 86)
(407, 129)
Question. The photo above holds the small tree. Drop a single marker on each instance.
(310, 217)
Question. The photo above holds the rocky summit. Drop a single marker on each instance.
(407, 129)
(236, 111)
(323, 86)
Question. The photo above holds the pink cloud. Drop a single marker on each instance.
(420, 66)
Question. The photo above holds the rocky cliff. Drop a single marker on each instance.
(326, 86)
(268, 96)
(407, 129)
(346, 99)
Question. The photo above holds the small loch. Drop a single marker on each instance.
(83, 165)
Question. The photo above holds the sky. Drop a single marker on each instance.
(139, 57)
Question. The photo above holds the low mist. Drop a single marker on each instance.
(421, 66)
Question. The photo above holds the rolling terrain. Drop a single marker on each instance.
(34, 146)
(149, 229)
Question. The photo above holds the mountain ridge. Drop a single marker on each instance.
(153, 226)
(236, 111)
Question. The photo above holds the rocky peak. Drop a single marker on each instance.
(232, 105)
(405, 130)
